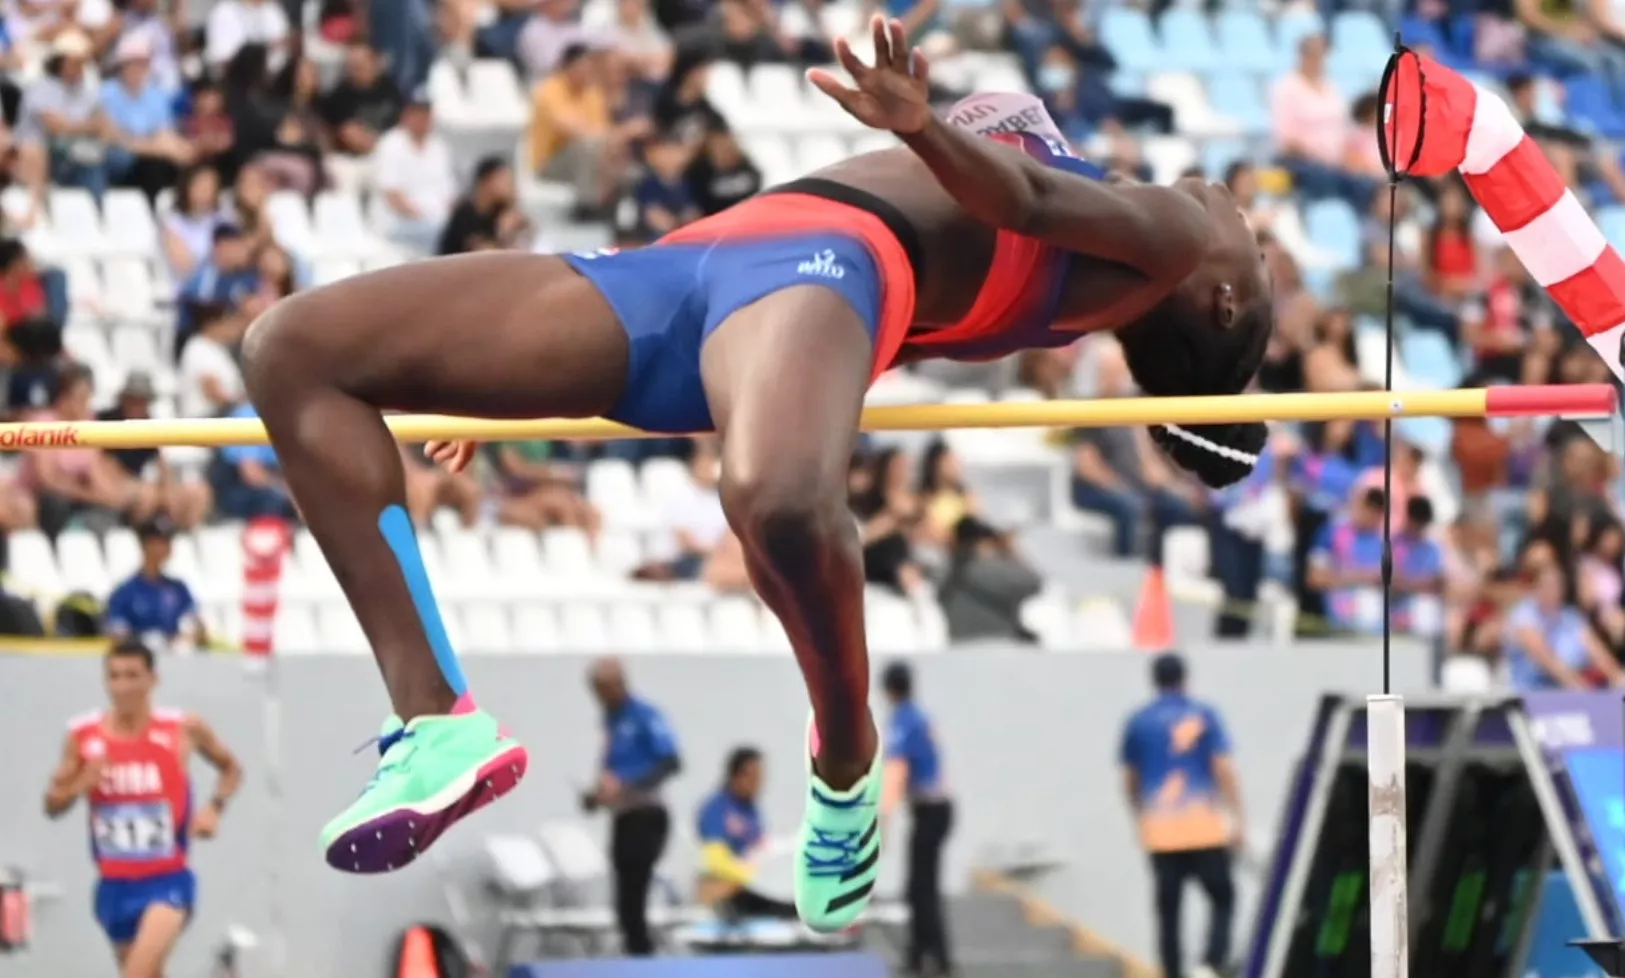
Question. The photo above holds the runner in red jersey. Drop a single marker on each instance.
(129, 763)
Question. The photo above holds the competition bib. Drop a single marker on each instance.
(134, 831)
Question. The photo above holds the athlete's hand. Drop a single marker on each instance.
(894, 94)
(89, 776)
(206, 823)
(454, 455)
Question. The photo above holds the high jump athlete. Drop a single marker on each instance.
(130, 764)
(766, 322)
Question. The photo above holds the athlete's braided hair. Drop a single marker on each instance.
(1174, 351)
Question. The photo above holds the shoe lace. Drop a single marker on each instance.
(386, 744)
(844, 849)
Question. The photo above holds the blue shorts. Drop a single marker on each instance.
(671, 297)
(120, 903)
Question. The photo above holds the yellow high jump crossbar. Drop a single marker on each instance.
(1565, 400)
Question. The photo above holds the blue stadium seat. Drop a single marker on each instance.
(1292, 27)
(1354, 81)
(1218, 154)
(1431, 435)
(1244, 42)
(1187, 41)
(1334, 228)
(1612, 222)
(1127, 34)
(1591, 106)
(1430, 359)
(1360, 42)
(1240, 97)
(1422, 32)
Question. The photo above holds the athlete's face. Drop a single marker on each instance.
(129, 682)
(1232, 276)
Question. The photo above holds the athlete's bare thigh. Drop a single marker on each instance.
(496, 334)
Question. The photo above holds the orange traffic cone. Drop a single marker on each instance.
(1154, 615)
(417, 955)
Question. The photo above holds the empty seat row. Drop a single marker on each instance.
(1239, 40)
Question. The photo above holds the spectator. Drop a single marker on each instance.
(146, 23)
(489, 216)
(1550, 645)
(223, 286)
(404, 33)
(731, 836)
(889, 513)
(35, 348)
(641, 41)
(1312, 122)
(27, 293)
(1509, 331)
(572, 138)
(364, 104)
(661, 196)
(1245, 520)
(540, 489)
(234, 24)
(83, 485)
(986, 585)
(184, 501)
(277, 276)
(552, 28)
(721, 174)
(412, 168)
(640, 755)
(681, 106)
(430, 486)
(1419, 572)
(151, 607)
(209, 128)
(252, 102)
(61, 113)
(1345, 563)
(706, 549)
(146, 152)
(943, 493)
(250, 195)
(1453, 266)
(1183, 792)
(1117, 473)
(247, 480)
(188, 227)
(293, 157)
(211, 384)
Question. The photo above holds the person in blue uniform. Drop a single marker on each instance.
(1185, 797)
(731, 836)
(639, 755)
(914, 773)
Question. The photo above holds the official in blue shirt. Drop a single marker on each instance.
(1183, 792)
(914, 772)
(731, 833)
(640, 753)
(222, 285)
(151, 607)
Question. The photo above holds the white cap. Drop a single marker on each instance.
(993, 112)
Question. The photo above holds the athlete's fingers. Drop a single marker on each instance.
(831, 86)
(465, 455)
(898, 44)
(850, 61)
(919, 67)
(882, 39)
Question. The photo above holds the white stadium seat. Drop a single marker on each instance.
(632, 628)
(583, 629)
(76, 223)
(683, 627)
(486, 628)
(32, 563)
(79, 554)
(735, 626)
(536, 628)
(495, 96)
(295, 630)
(130, 228)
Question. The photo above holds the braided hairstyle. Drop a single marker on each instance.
(1173, 351)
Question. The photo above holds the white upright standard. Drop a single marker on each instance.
(1385, 764)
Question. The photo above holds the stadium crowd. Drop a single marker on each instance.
(1508, 535)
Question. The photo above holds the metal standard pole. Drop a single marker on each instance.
(1385, 766)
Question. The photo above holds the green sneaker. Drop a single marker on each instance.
(433, 772)
(838, 850)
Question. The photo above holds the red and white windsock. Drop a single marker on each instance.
(265, 546)
(1435, 121)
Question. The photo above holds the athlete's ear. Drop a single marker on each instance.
(1225, 309)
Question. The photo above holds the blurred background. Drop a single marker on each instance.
(169, 169)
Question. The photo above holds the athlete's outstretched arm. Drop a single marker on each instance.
(1157, 231)
(73, 777)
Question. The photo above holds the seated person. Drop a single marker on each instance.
(152, 607)
(247, 480)
(730, 831)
